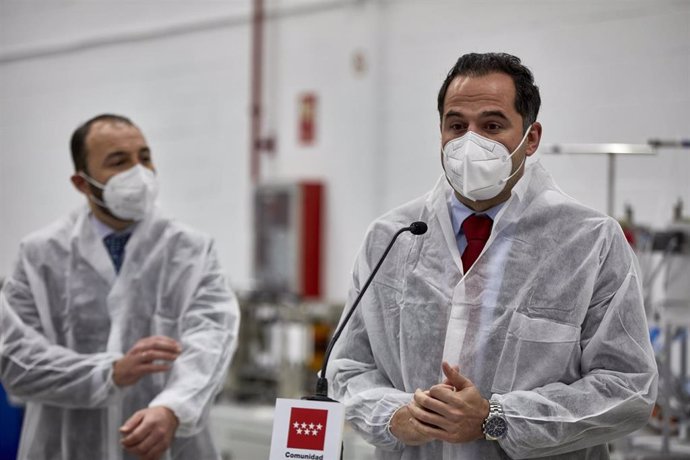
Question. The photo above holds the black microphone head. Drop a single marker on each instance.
(418, 228)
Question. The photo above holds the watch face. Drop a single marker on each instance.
(496, 427)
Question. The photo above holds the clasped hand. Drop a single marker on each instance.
(452, 411)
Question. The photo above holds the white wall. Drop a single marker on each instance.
(313, 52)
(188, 92)
(616, 71)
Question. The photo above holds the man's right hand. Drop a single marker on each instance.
(148, 355)
(402, 428)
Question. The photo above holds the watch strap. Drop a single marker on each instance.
(495, 415)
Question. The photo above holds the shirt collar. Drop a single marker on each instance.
(102, 229)
(459, 212)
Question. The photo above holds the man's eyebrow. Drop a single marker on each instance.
(494, 113)
(115, 154)
(485, 114)
(453, 113)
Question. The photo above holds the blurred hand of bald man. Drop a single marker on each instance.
(149, 355)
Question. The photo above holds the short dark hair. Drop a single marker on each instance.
(78, 141)
(527, 99)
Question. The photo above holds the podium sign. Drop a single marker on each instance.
(307, 430)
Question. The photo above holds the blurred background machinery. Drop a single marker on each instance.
(664, 256)
(286, 325)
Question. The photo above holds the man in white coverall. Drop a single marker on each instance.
(116, 278)
(515, 327)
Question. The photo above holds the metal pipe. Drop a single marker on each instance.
(593, 149)
(20, 53)
(670, 143)
(611, 192)
(611, 150)
(256, 86)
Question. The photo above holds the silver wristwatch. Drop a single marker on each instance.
(495, 426)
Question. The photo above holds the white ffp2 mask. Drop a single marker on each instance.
(478, 168)
(129, 195)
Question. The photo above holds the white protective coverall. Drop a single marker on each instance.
(171, 284)
(549, 321)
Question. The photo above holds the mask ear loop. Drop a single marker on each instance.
(96, 184)
(503, 181)
(91, 180)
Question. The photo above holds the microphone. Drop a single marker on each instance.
(416, 228)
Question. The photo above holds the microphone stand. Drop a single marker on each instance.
(322, 382)
(417, 228)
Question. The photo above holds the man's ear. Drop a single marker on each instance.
(533, 139)
(80, 184)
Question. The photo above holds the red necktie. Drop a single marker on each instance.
(477, 229)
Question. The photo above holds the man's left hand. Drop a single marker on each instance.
(452, 411)
(149, 432)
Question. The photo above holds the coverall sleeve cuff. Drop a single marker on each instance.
(188, 425)
(386, 439)
(103, 383)
(390, 433)
(390, 419)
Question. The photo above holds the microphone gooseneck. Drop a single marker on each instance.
(416, 228)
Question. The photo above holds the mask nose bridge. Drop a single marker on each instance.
(489, 146)
(482, 142)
